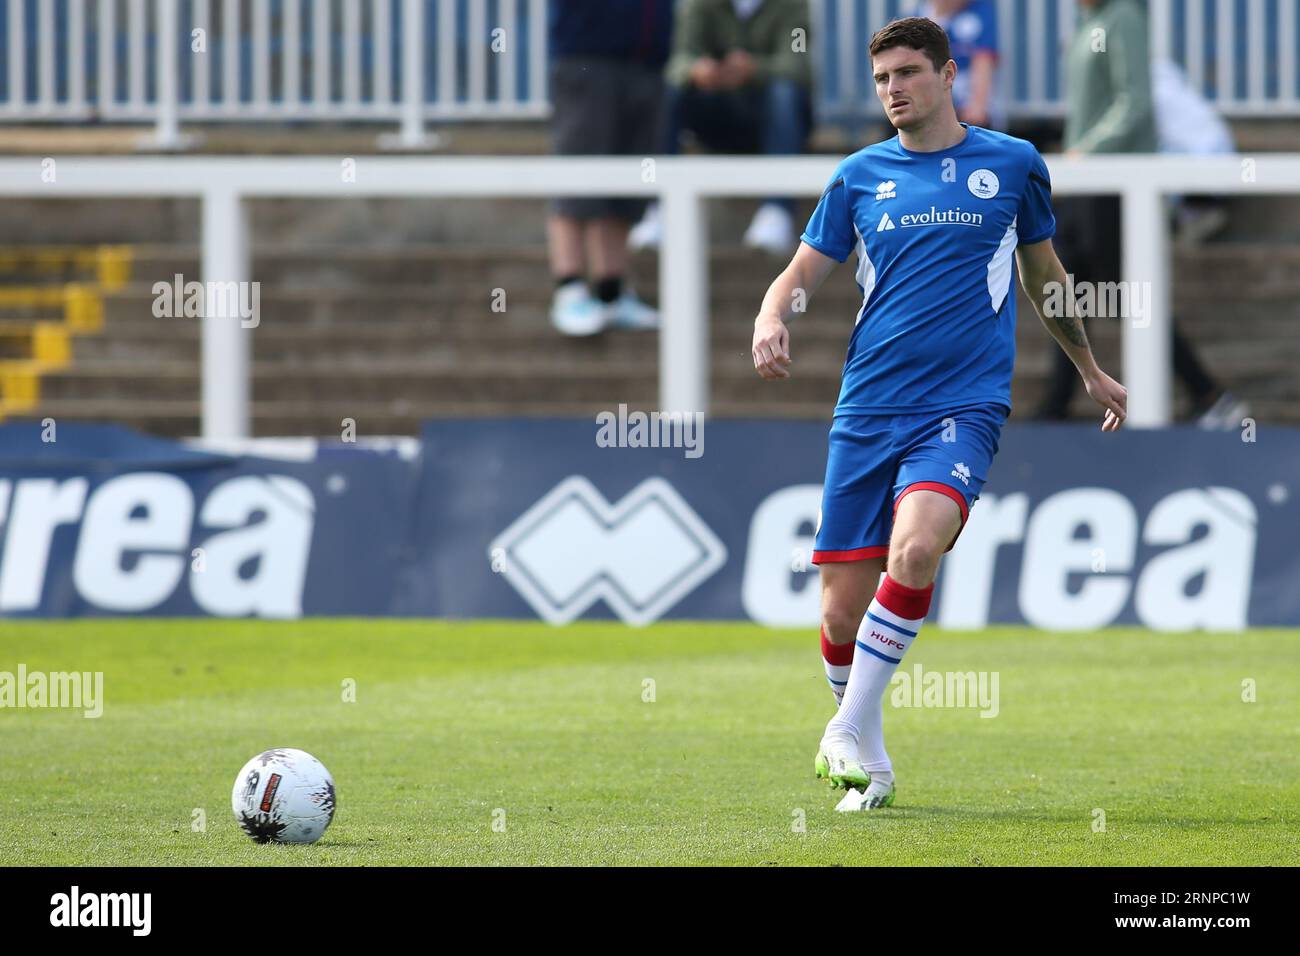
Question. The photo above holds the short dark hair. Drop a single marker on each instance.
(918, 33)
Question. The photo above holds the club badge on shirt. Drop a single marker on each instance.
(983, 183)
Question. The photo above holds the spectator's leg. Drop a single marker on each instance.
(725, 122)
(667, 132)
(573, 309)
(564, 244)
(675, 110)
(583, 123)
(785, 118)
(1187, 366)
(718, 121)
(607, 252)
(642, 106)
(785, 113)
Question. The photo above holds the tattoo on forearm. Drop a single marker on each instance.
(1073, 329)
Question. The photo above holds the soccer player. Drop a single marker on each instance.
(940, 216)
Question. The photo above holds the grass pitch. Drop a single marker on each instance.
(518, 743)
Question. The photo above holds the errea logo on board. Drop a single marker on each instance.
(641, 554)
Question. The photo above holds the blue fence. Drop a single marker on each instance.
(1241, 54)
(1218, 42)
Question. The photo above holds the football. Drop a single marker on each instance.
(283, 796)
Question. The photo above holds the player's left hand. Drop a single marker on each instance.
(771, 348)
(1110, 395)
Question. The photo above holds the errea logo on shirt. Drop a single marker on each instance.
(886, 190)
(961, 472)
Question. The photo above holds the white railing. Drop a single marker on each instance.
(1200, 35)
(169, 62)
(323, 60)
(681, 183)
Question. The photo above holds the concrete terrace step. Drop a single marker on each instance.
(541, 345)
(819, 346)
(402, 415)
(390, 335)
(1234, 262)
(437, 379)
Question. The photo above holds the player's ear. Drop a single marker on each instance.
(949, 73)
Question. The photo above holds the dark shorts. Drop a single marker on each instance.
(877, 460)
(604, 107)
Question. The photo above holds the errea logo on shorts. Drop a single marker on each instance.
(961, 472)
(886, 190)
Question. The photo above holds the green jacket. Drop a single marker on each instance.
(1108, 89)
(711, 28)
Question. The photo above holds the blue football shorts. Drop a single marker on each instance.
(876, 460)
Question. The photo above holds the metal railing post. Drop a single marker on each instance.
(167, 133)
(225, 386)
(412, 135)
(683, 303)
(1146, 349)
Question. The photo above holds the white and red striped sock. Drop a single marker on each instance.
(837, 659)
(890, 626)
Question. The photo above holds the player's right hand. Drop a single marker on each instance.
(1110, 395)
(771, 350)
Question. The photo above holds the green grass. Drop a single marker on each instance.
(455, 720)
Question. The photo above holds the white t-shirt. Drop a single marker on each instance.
(1185, 121)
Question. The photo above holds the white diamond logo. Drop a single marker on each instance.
(573, 547)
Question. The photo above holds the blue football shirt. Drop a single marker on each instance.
(935, 235)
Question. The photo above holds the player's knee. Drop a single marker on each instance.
(915, 558)
(839, 625)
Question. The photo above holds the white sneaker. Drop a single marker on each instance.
(629, 312)
(1225, 414)
(575, 311)
(1195, 226)
(647, 233)
(772, 229)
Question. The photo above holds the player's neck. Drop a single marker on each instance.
(942, 133)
